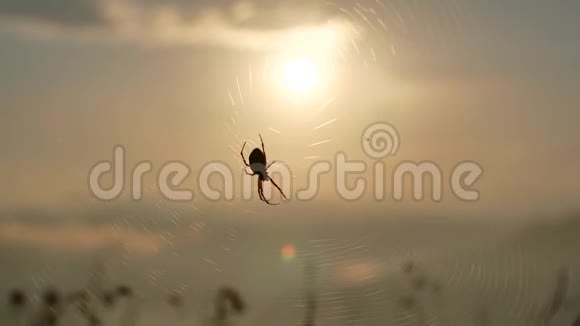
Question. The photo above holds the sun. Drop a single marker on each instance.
(301, 75)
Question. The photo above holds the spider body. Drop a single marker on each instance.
(258, 163)
(258, 166)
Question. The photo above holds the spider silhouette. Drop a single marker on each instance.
(258, 166)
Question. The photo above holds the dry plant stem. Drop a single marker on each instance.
(228, 297)
(555, 302)
(310, 296)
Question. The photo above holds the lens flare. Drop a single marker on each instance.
(288, 252)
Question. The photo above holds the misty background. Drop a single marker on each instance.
(493, 82)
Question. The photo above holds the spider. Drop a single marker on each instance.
(258, 166)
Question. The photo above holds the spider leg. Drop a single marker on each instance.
(267, 167)
(262, 141)
(260, 190)
(242, 153)
(269, 203)
(280, 190)
(261, 193)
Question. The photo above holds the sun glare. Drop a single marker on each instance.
(301, 75)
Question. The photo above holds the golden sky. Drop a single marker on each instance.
(190, 81)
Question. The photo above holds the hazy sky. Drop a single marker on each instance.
(490, 81)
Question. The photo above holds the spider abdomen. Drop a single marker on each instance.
(257, 157)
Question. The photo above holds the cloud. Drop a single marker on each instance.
(69, 238)
(237, 24)
(58, 12)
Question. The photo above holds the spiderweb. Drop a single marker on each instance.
(359, 280)
(351, 286)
